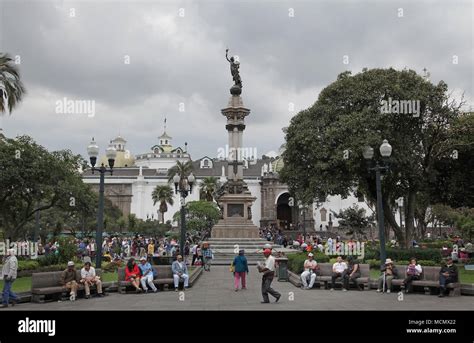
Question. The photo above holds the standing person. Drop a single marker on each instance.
(241, 268)
(194, 252)
(414, 271)
(180, 272)
(389, 272)
(69, 280)
(9, 273)
(151, 248)
(208, 256)
(268, 270)
(89, 278)
(146, 270)
(447, 274)
(338, 269)
(132, 274)
(310, 266)
(352, 273)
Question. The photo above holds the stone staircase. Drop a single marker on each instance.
(225, 249)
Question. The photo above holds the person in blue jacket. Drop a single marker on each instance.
(241, 268)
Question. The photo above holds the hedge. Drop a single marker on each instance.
(296, 261)
(407, 254)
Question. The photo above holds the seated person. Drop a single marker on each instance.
(414, 271)
(447, 274)
(180, 271)
(147, 275)
(89, 278)
(338, 269)
(351, 273)
(389, 272)
(310, 268)
(132, 274)
(69, 280)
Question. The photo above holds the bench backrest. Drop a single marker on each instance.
(431, 273)
(326, 269)
(52, 279)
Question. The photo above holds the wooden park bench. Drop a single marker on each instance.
(164, 278)
(429, 280)
(325, 272)
(47, 286)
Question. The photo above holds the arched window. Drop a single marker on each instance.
(206, 163)
(166, 141)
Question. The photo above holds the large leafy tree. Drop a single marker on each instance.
(325, 142)
(33, 179)
(164, 195)
(209, 186)
(11, 87)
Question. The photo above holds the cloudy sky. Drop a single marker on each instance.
(289, 51)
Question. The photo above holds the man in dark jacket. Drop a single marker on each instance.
(69, 280)
(447, 274)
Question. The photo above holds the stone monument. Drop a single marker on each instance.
(234, 197)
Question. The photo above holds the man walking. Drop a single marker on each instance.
(9, 273)
(268, 270)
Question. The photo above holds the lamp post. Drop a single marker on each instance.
(111, 153)
(184, 186)
(385, 152)
(303, 211)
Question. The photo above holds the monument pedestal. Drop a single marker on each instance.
(237, 219)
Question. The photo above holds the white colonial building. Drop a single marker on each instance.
(135, 177)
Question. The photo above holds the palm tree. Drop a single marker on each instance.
(208, 186)
(164, 195)
(182, 168)
(11, 88)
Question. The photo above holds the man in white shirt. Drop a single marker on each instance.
(268, 270)
(310, 266)
(337, 269)
(194, 253)
(89, 278)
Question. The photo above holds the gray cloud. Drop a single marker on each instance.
(177, 60)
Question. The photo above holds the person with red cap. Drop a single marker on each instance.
(268, 270)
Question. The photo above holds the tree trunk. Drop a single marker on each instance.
(390, 218)
(409, 217)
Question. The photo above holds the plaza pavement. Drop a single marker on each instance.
(214, 291)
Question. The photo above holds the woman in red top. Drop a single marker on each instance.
(132, 274)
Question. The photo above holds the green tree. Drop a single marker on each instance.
(355, 220)
(11, 86)
(164, 195)
(209, 186)
(200, 215)
(325, 142)
(33, 179)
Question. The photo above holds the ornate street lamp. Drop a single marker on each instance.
(385, 152)
(184, 186)
(110, 153)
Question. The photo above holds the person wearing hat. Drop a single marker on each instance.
(69, 280)
(9, 273)
(89, 278)
(147, 275)
(389, 272)
(447, 274)
(310, 266)
(241, 268)
(268, 270)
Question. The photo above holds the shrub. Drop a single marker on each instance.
(48, 260)
(406, 254)
(28, 265)
(67, 249)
